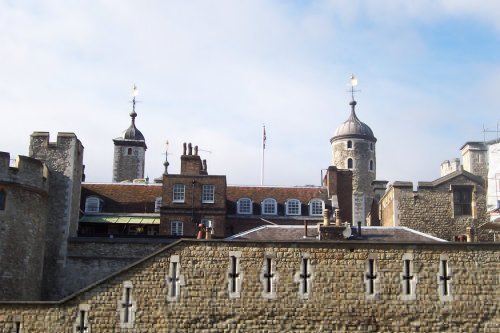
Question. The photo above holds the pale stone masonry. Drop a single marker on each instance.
(431, 209)
(337, 296)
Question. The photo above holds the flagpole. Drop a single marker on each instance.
(263, 148)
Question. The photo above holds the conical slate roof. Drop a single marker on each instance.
(354, 128)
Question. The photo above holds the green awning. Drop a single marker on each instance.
(120, 219)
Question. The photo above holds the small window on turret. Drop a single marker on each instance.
(2, 200)
(349, 163)
(349, 144)
(129, 151)
(371, 145)
(371, 165)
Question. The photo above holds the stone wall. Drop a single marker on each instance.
(64, 159)
(337, 298)
(430, 209)
(23, 221)
(361, 154)
(127, 167)
(92, 259)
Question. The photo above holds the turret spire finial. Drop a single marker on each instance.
(354, 83)
(135, 93)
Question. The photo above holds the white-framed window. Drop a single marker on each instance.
(127, 306)
(179, 193)
(234, 275)
(292, 207)
(177, 228)
(175, 280)
(157, 204)
(304, 277)
(244, 206)
(408, 278)
(81, 324)
(350, 163)
(208, 193)
(316, 207)
(93, 205)
(268, 276)
(269, 207)
(444, 279)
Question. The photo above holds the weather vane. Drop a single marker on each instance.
(135, 93)
(354, 83)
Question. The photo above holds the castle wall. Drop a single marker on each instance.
(92, 259)
(64, 159)
(430, 209)
(337, 299)
(23, 222)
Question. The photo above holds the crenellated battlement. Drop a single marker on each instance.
(26, 171)
(42, 140)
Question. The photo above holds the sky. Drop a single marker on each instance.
(214, 72)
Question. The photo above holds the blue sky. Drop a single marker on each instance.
(212, 72)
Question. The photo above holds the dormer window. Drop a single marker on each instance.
(93, 205)
(292, 207)
(244, 206)
(316, 207)
(269, 207)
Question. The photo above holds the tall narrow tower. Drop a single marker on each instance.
(130, 151)
(353, 148)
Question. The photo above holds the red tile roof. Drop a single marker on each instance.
(281, 194)
(123, 197)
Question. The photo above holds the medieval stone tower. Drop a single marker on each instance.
(353, 148)
(130, 152)
(64, 159)
(24, 195)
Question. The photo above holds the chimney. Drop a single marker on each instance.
(196, 150)
(338, 221)
(326, 217)
(469, 231)
(184, 148)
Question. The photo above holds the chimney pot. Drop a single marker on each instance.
(326, 217)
